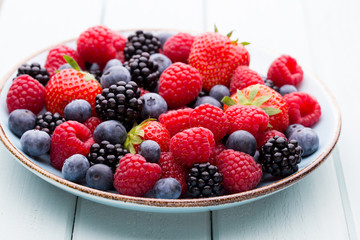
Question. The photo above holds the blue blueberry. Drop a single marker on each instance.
(154, 105)
(78, 110)
(150, 150)
(219, 92)
(286, 89)
(256, 156)
(167, 188)
(21, 120)
(35, 142)
(113, 75)
(162, 61)
(292, 128)
(100, 176)
(307, 139)
(112, 131)
(112, 63)
(209, 100)
(75, 167)
(163, 37)
(65, 66)
(242, 141)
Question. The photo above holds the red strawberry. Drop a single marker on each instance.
(92, 122)
(176, 120)
(285, 70)
(55, 58)
(178, 46)
(216, 57)
(267, 135)
(243, 77)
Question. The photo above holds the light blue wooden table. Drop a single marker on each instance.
(323, 36)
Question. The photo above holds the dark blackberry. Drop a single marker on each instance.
(141, 42)
(47, 122)
(204, 180)
(94, 69)
(279, 157)
(121, 102)
(36, 71)
(271, 84)
(143, 71)
(106, 153)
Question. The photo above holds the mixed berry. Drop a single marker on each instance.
(163, 115)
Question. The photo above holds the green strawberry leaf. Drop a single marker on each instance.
(253, 91)
(215, 28)
(228, 101)
(72, 62)
(131, 149)
(269, 125)
(245, 43)
(271, 111)
(242, 99)
(137, 140)
(88, 76)
(230, 33)
(263, 99)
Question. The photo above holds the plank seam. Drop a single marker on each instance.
(211, 226)
(74, 218)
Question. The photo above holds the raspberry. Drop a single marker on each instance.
(134, 176)
(192, 145)
(179, 84)
(171, 168)
(285, 70)
(267, 135)
(26, 93)
(304, 109)
(240, 171)
(176, 120)
(55, 58)
(119, 44)
(92, 122)
(69, 138)
(243, 77)
(177, 47)
(219, 147)
(249, 118)
(210, 117)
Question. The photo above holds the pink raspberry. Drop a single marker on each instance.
(176, 120)
(177, 47)
(285, 70)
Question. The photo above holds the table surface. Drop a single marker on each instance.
(322, 35)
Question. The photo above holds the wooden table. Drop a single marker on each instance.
(323, 36)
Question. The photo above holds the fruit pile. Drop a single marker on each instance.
(163, 115)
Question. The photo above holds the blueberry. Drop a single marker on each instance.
(219, 92)
(292, 128)
(113, 75)
(163, 37)
(75, 167)
(286, 89)
(242, 141)
(307, 139)
(256, 156)
(167, 188)
(209, 100)
(35, 142)
(162, 61)
(21, 120)
(150, 150)
(154, 105)
(100, 176)
(112, 63)
(78, 110)
(94, 67)
(112, 131)
(65, 66)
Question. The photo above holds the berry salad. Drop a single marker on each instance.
(167, 116)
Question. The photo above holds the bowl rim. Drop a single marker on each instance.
(171, 203)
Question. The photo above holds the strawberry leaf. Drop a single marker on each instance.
(263, 99)
(253, 91)
(72, 62)
(271, 111)
(228, 101)
(229, 34)
(245, 43)
(242, 99)
(215, 28)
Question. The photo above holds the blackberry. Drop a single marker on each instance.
(279, 157)
(141, 42)
(204, 180)
(106, 153)
(271, 84)
(36, 71)
(94, 69)
(143, 71)
(48, 121)
(121, 102)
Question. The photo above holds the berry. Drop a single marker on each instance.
(69, 138)
(304, 109)
(292, 128)
(112, 131)
(141, 42)
(92, 122)
(64, 66)
(167, 188)
(36, 71)
(279, 157)
(240, 171)
(219, 147)
(270, 84)
(112, 63)
(35, 142)
(75, 167)
(119, 44)
(285, 70)
(207, 100)
(179, 84)
(192, 145)
(154, 106)
(178, 46)
(150, 150)
(26, 93)
(163, 37)
(94, 69)
(100, 176)
(243, 77)
(48, 121)
(106, 153)
(161, 60)
(134, 176)
(219, 92)
(78, 110)
(286, 89)
(264, 137)
(212, 118)
(307, 139)
(55, 58)
(204, 180)
(21, 120)
(114, 74)
(216, 57)
(242, 141)
(176, 120)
